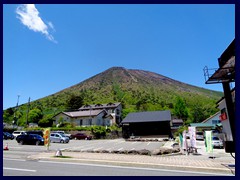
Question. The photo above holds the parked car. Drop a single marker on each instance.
(58, 137)
(30, 139)
(17, 133)
(216, 142)
(80, 136)
(7, 135)
(40, 133)
(62, 132)
(200, 135)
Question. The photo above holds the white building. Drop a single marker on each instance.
(87, 115)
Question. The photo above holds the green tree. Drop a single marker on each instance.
(180, 108)
(35, 115)
(74, 102)
(46, 121)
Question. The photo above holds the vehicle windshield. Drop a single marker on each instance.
(215, 138)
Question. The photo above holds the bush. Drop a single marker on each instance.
(98, 131)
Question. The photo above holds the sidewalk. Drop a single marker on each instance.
(221, 165)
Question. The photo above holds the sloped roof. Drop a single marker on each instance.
(150, 116)
(100, 106)
(211, 116)
(83, 113)
(201, 125)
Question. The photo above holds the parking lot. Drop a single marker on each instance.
(85, 145)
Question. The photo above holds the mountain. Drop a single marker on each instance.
(138, 90)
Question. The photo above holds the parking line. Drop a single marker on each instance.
(148, 143)
(120, 149)
(17, 169)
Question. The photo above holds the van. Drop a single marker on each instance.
(17, 133)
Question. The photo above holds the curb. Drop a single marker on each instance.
(222, 171)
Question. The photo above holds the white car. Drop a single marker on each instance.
(216, 142)
(17, 133)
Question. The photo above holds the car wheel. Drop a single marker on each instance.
(37, 143)
(61, 141)
(21, 142)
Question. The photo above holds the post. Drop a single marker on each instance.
(28, 111)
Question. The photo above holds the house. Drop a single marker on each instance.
(97, 114)
(175, 124)
(208, 124)
(225, 74)
(151, 123)
(214, 119)
(85, 118)
(224, 116)
(203, 126)
(113, 109)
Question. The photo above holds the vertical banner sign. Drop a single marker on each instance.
(181, 140)
(184, 141)
(46, 136)
(208, 141)
(192, 134)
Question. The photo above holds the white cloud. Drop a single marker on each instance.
(29, 16)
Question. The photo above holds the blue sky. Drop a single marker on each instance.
(47, 48)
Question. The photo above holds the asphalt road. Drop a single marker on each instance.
(16, 162)
(21, 167)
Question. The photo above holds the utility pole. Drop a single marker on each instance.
(16, 111)
(28, 110)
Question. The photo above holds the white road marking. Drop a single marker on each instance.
(14, 159)
(120, 149)
(148, 143)
(17, 169)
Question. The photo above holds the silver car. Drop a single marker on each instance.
(58, 137)
(216, 142)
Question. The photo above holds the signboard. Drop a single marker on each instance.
(192, 134)
(208, 141)
(184, 141)
(46, 136)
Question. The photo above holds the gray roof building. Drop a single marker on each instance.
(150, 116)
(83, 113)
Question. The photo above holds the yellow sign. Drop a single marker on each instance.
(46, 136)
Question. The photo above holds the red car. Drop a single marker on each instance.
(80, 136)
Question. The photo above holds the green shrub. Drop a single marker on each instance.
(98, 131)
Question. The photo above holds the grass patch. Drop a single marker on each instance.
(62, 156)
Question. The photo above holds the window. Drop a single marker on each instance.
(215, 121)
(81, 122)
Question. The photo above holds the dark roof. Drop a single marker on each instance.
(150, 116)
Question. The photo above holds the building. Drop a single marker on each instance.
(175, 124)
(88, 115)
(225, 74)
(214, 119)
(112, 109)
(151, 123)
